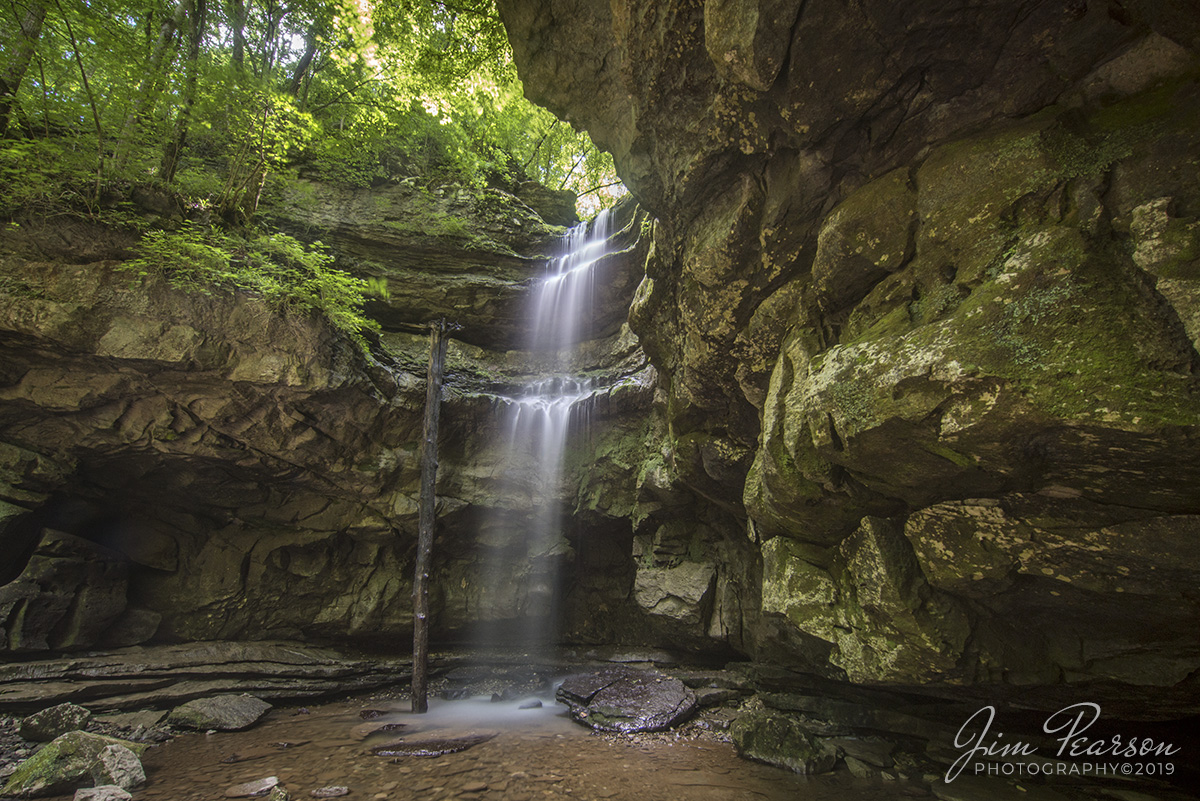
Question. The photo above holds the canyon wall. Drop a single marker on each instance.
(924, 300)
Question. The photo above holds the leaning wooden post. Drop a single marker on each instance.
(433, 398)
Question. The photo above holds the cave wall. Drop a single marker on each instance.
(189, 466)
(922, 300)
(902, 340)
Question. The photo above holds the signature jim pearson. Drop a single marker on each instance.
(1070, 722)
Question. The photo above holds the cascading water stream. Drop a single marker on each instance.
(521, 581)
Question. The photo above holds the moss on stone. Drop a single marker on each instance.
(779, 740)
(61, 765)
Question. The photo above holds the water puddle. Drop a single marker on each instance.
(524, 754)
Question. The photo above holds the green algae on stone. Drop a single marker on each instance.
(779, 740)
(62, 764)
(795, 586)
(54, 721)
(870, 600)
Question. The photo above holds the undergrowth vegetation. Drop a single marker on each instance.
(206, 104)
(276, 267)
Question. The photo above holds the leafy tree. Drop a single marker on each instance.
(20, 42)
(357, 92)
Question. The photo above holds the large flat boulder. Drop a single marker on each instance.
(627, 700)
(221, 712)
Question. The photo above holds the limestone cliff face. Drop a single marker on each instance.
(923, 300)
(195, 466)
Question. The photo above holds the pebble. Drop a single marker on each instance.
(475, 787)
(333, 791)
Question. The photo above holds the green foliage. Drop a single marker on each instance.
(276, 267)
(350, 92)
(38, 172)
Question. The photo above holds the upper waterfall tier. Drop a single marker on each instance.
(563, 302)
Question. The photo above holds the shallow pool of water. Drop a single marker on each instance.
(535, 754)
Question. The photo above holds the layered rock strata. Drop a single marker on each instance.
(922, 301)
(188, 466)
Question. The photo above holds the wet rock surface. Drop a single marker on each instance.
(253, 789)
(621, 699)
(184, 466)
(431, 746)
(461, 252)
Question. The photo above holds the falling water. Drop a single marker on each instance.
(527, 545)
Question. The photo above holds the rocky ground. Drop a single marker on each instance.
(495, 726)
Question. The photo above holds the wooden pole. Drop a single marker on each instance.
(425, 525)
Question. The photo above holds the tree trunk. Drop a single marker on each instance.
(150, 81)
(239, 35)
(197, 14)
(22, 53)
(270, 47)
(87, 90)
(425, 525)
(310, 51)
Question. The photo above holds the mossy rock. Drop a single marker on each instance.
(62, 765)
(44, 726)
(780, 741)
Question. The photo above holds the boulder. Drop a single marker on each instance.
(221, 712)
(117, 765)
(682, 593)
(61, 765)
(778, 740)
(627, 700)
(44, 726)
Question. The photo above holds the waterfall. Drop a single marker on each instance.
(525, 546)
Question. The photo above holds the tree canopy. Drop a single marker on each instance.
(211, 97)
